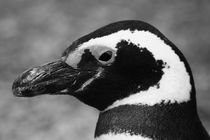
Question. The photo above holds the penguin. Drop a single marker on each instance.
(137, 78)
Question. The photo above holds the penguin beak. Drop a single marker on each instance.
(52, 78)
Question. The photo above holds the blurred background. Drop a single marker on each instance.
(33, 32)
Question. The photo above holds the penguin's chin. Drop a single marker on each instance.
(52, 78)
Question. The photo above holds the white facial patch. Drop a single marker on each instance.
(123, 136)
(75, 57)
(174, 86)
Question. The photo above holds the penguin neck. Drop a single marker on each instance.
(150, 121)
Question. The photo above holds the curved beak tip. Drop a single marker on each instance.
(52, 78)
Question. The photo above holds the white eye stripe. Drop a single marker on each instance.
(98, 50)
(140, 38)
(75, 57)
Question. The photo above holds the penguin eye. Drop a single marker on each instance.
(106, 56)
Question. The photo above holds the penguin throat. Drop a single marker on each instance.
(161, 121)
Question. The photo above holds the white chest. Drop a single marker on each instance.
(123, 136)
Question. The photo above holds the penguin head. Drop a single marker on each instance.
(127, 62)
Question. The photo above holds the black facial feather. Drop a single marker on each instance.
(133, 69)
(141, 67)
(88, 61)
